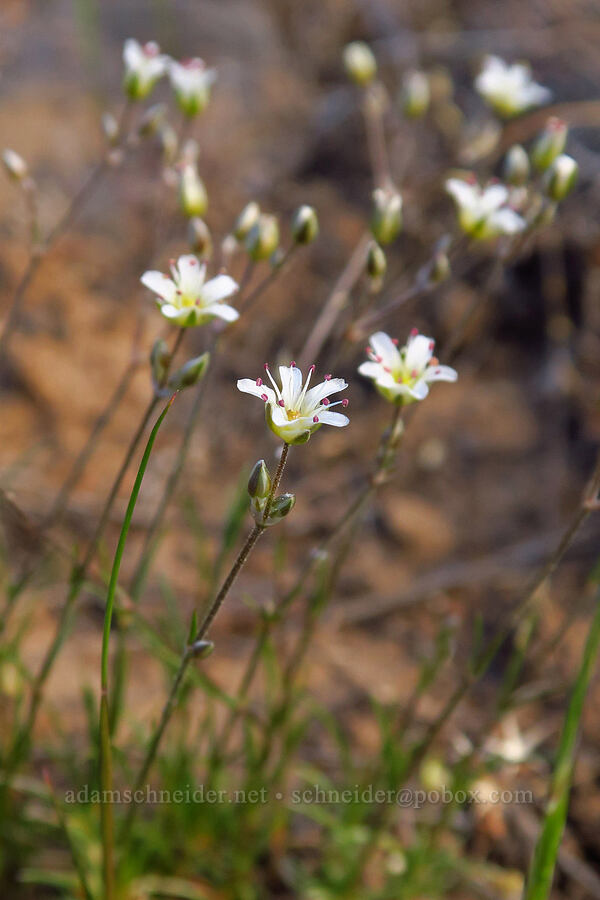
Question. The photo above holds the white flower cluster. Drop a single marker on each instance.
(190, 79)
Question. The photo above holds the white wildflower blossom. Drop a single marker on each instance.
(403, 375)
(191, 81)
(483, 212)
(144, 66)
(294, 412)
(509, 89)
(186, 299)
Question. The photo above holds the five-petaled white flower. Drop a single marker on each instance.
(186, 299)
(509, 89)
(191, 81)
(484, 212)
(144, 65)
(403, 375)
(294, 412)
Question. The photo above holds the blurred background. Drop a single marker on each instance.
(491, 468)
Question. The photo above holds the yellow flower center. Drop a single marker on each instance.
(292, 414)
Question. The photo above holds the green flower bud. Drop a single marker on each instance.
(192, 193)
(281, 507)
(561, 177)
(259, 483)
(199, 238)
(360, 63)
(15, 165)
(263, 238)
(169, 142)
(549, 144)
(190, 373)
(305, 225)
(415, 95)
(376, 261)
(516, 168)
(386, 221)
(160, 359)
(246, 220)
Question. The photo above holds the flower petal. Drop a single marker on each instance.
(190, 275)
(383, 346)
(370, 370)
(319, 391)
(505, 221)
(222, 311)
(247, 386)
(218, 288)
(327, 417)
(419, 351)
(133, 55)
(291, 384)
(440, 373)
(159, 284)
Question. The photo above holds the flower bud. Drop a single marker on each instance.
(15, 165)
(440, 267)
(192, 193)
(152, 120)
(259, 483)
(386, 221)
(561, 177)
(415, 95)
(110, 127)
(160, 359)
(281, 507)
(305, 225)
(376, 261)
(360, 63)
(246, 220)
(201, 649)
(263, 238)
(549, 144)
(199, 238)
(169, 142)
(190, 373)
(516, 166)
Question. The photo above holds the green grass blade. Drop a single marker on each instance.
(539, 882)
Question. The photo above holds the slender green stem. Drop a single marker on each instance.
(541, 872)
(105, 739)
(188, 653)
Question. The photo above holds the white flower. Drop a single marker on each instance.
(293, 411)
(483, 212)
(144, 65)
(403, 375)
(191, 81)
(186, 299)
(509, 89)
(514, 746)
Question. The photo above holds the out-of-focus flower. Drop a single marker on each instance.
(403, 375)
(246, 220)
(199, 238)
(144, 66)
(386, 220)
(415, 94)
(376, 261)
(514, 746)
(15, 165)
(483, 212)
(191, 81)
(509, 89)
(294, 412)
(263, 238)
(360, 63)
(516, 168)
(305, 225)
(561, 177)
(186, 299)
(192, 192)
(550, 143)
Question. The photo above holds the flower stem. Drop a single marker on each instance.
(188, 653)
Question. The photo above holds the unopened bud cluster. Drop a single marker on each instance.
(259, 490)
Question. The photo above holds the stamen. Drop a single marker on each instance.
(315, 419)
(431, 345)
(395, 342)
(328, 378)
(273, 382)
(325, 401)
(264, 397)
(172, 262)
(299, 401)
(434, 361)
(414, 332)
(259, 382)
(292, 364)
(281, 403)
(345, 402)
(414, 374)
